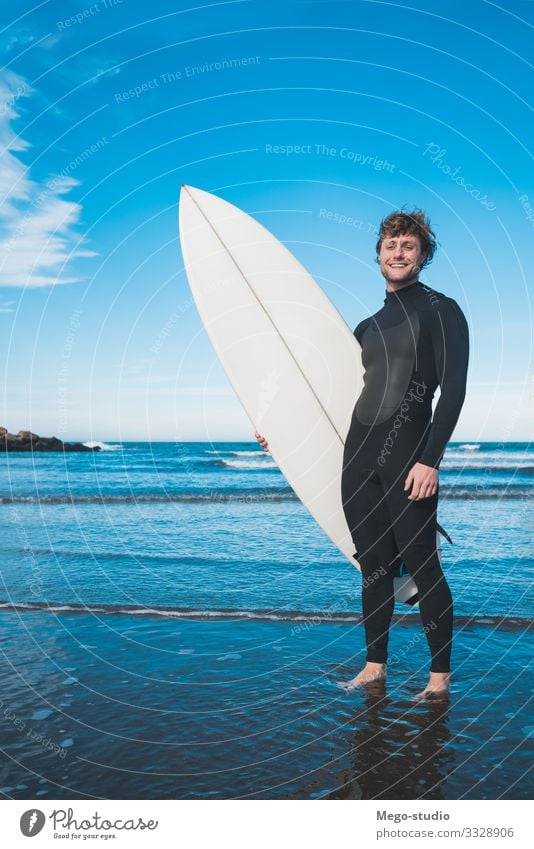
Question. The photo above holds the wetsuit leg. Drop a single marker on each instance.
(367, 514)
(414, 529)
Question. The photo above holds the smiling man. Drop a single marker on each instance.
(417, 341)
(389, 485)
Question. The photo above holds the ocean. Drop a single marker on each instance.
(174, 623)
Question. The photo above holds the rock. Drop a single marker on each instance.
(25, 440)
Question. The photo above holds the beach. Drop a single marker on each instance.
(174, 624)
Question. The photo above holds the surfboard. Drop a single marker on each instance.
(291, 358)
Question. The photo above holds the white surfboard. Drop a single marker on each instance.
(291, 358)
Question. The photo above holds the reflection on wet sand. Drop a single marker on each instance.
(398, 749)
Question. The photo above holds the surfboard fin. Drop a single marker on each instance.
(444, 533)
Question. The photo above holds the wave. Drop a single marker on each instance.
(249, 496)
(276, 615)
(104, 446)
(452, 466)
(469, 446)
(265, 464)
(453, 461)
(250, 464)
(483, 492)
(510, 457)
(256, 453)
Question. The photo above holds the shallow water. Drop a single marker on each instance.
(157, 708)
(170, 524)
(173, 624)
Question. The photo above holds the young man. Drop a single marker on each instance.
(417, 341)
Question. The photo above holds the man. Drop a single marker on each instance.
(417, 341)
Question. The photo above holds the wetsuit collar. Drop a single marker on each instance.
(403, 294)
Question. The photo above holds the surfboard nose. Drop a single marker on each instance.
(189, 191)
(186, 193)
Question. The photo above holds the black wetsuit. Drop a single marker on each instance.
(417, 341)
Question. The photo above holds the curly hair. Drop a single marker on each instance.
(415, 223)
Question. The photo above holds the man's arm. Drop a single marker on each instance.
(450, 339)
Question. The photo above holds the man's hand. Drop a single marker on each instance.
(423, 480)
(263, 442)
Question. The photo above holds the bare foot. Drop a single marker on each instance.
(437, 687)
(371, 672)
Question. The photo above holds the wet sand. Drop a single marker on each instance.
(112, 706)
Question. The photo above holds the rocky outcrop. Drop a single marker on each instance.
(25, 440)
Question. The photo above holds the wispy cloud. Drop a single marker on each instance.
(17, 40)
(37, 223)
(103, 69)
(7, 306)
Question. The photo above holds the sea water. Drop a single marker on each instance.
(174, 623)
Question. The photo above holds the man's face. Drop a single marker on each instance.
(400, 258)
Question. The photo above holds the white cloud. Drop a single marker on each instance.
(37, 235)
(19, 39)
(102, 70)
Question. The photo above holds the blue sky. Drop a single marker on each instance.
(107, 107)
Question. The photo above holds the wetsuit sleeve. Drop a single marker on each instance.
(450, 340)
